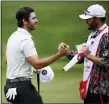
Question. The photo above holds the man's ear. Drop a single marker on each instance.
(96, 19)
(24, 22)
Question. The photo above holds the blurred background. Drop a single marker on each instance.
(58, 22)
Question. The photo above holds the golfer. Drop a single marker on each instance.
(21, 56)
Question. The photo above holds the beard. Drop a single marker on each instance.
(31, 27)
(92, 26)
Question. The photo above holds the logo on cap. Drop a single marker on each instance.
(44, 72)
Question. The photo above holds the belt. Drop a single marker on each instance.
(19, 79)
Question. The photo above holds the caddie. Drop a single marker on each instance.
(94, 88)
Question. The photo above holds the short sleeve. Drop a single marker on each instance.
(28, 48)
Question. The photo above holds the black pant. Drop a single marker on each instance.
(95, 99)
(26, 93)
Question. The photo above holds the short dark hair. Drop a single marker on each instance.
(102, 19)
(23, 13)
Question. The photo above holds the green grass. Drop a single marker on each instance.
(58, 21)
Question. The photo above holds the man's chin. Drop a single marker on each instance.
(90, 28)
(33, 28)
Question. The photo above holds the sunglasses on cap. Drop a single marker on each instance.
(86, 12)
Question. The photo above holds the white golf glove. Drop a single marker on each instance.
(35, 71)
(11, 93)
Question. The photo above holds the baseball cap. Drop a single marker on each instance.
(46, 74)
(93, 11)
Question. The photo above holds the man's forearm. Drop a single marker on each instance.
(47, 61)
(40, 63)
(72, 54)
(94, 59)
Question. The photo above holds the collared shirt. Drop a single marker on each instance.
(19, 46)
(103, 53)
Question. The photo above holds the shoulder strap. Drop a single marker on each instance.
(106, 27)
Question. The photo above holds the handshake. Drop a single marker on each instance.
(64, 49)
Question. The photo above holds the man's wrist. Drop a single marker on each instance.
(87, 53)
(59, 54)
(88, 56)
(69, 52)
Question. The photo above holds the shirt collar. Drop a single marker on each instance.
(102, 27)
(24, 31)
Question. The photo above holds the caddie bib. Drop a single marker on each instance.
(89, 64)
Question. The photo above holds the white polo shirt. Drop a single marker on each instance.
(19, 46)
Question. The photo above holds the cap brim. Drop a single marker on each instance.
(85, 16)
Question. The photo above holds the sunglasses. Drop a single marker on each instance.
(86, 12)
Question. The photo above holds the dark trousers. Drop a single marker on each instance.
(95, 99)
(26, 93)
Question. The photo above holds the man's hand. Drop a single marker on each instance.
(64, 48)
(85, 50)
(35, 71)
(11, 93)
(88, 55)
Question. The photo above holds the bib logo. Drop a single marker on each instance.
(88, 67)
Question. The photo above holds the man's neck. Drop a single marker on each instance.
(26, 28)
